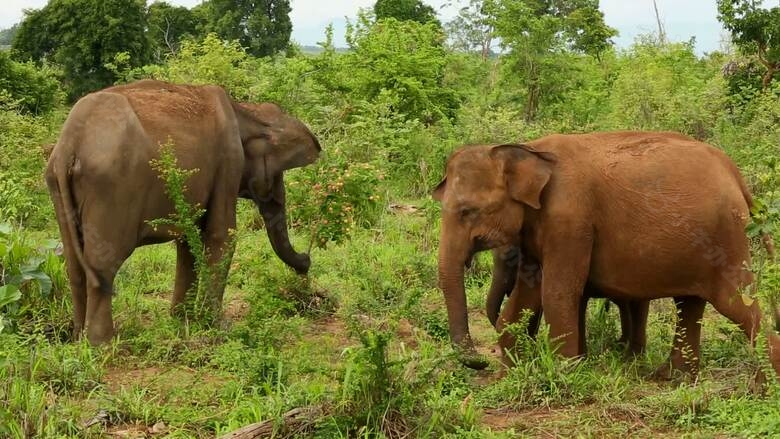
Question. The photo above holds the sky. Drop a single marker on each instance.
(682, 19)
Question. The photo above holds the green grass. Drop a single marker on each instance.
(365, 338)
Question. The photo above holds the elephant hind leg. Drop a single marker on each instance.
(78, 288)
(686, 355)
(637, 337)
(106, 246)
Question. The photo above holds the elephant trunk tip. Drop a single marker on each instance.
(469, 357)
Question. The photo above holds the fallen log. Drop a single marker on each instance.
(293, 423)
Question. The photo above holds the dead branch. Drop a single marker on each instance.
(293, 423)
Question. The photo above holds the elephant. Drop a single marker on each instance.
(635, 215)
(105, 191)
(517, 276)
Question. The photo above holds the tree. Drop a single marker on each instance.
(27, 88)
(263, 27)
(755, 30)
(537, 31)
(83, 36)
(405, 10)
(472, 29)
(402, 62)
(168, 25)
(7, 35)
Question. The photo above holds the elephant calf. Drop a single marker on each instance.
(105, 192)
(635, 215)
(518, 277)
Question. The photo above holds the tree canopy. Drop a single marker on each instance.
(263, 27)
(405, 10)
(755, 30)
(167, 25)
(539, 33)
(83, 36)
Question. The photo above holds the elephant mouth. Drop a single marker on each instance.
(478, 245)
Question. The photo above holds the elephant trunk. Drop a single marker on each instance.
(505, 262)
(275, 219)
(451, 273)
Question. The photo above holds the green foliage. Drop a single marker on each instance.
(378, 393)
(333, 197)
(754, 29)
(211, 61)
(665, 88)
(405, 10)
(28, 88)
(541, 378)
(31, 279)
(82, 36)
(539, 33)
(167, 25)
(472, 29)
(203, 304)
(24, 197)
(263, 27)
(364, 336)
(404, 60)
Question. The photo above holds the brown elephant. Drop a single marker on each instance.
(518, 277)
(635, 215)
(105, 191)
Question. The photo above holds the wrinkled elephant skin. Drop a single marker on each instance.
(635, 215)
(105, 191)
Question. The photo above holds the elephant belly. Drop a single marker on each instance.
(649, 269)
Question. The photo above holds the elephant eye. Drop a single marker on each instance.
(468, 212)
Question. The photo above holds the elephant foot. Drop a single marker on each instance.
(178, 310)
(670, 371)
(469, 357)
(99, 337)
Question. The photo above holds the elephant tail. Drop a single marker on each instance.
(766, 239)
(59, 172)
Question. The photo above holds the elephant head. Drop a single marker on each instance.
(274, 142)
(487, 192)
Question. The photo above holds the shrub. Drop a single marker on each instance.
(405, 59)
(28, 88)
(332, 197)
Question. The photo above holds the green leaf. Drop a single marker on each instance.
(9, 294)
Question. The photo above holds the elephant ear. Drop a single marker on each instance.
(527, 172)
(286, 141)
(438, 193)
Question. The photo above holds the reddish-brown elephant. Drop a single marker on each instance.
(105, 191)
(635, 215)
(518, 277)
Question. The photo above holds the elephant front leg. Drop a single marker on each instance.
(185, 277)
(685, 355)
(563, 283)
(524, 298)
(219, 245)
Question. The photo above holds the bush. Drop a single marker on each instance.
(32, 281)
(332, 197)
(28, 88)
(665, 88)
(405, 59)
(24, 196)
